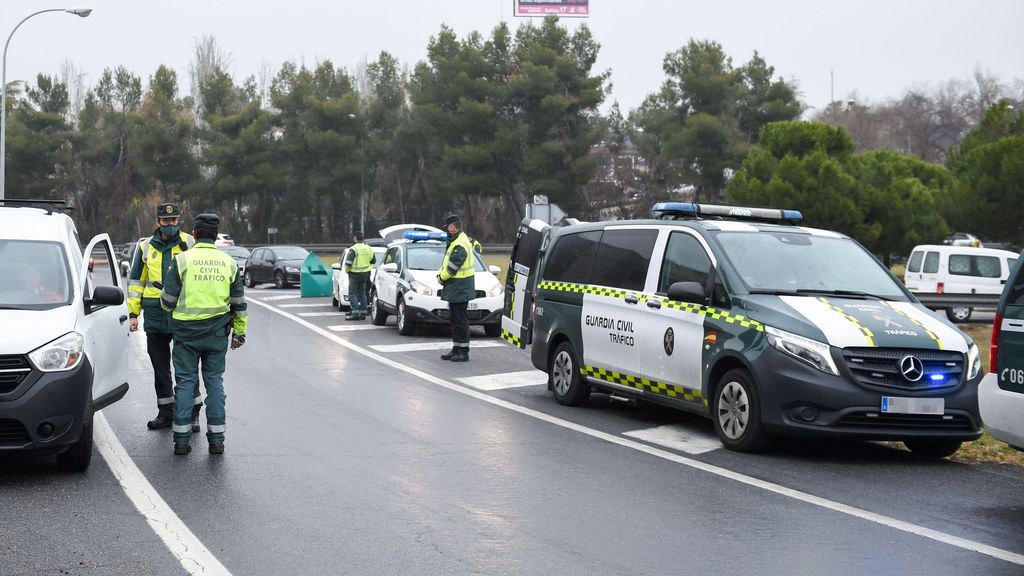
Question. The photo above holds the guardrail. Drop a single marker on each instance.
(943, 301)
(338, 248)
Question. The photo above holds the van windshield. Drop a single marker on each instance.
(798, 263)
(33, 275)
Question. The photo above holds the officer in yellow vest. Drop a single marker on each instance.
(458, 278)
(151, 260)
(206, 298)
(358, 263)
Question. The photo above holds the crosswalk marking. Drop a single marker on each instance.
(678, 437)
(275, 298)
(506, 380)
(316, 314)
(434, 345)
(355, 327)
(320, 305)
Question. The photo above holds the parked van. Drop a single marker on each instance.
(740, 314)
(1001, 394)
(939, 269)
(64, 343)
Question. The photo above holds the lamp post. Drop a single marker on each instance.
(80, 12)
(362, 185)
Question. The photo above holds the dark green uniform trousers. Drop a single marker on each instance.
(210, 352)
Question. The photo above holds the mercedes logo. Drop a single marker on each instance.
(669, 341)
(912, 368)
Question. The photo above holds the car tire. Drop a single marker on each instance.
(335, 303)
(959, 314)
(492, 330)
(736, 412)
(568, 386)
(247, 279)
(932, 447)
(406, 325)
(79, 455)
(279, 280)
(377, 314)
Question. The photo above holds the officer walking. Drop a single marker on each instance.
(358, 263)
(458, 277)
(204, 292)
(152, 258)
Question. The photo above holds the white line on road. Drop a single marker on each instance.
(435, 345)
(183, 544)
(320, 305)
(275, 298)
(506, 380)
(881, 519)
(356, 327)
(317, 314)
(677, 437)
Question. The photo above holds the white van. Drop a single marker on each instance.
(64, 343)
(938, 269)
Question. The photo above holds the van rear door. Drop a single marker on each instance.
(516, 323)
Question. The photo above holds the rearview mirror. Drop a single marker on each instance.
(389, 267)
(336, 266)
(691, 292)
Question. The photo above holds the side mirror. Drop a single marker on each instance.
(336, 266)
(106, 296)
(389, 267)
(691, 292)
(494, 269)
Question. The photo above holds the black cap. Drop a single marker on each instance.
(452, 219)
(358, 235)
(208, 219)
(168, 210)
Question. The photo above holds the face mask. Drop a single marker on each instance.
(169, 231)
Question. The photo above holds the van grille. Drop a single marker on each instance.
(13, 371)
(880, 368)
(446, 314)
(869, 420)
(12, 433)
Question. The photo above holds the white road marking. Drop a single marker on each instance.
(275, 298)
(881, 519)
(436, 345)
(506, 380)
(183, 544)
(356, 327)
(677, 437)
(317, 314)
(320, 305)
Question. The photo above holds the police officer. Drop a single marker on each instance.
(358, 263)
(152, 258)
(477, 247)
(204, 292)
(458, 277)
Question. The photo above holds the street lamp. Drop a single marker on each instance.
(362, 188)
(80, 12)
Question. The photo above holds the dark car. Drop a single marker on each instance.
(240, 254)
(278, 264)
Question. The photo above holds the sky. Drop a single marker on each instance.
(876, 48)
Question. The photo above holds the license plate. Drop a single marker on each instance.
(897, 405)
(473, 306)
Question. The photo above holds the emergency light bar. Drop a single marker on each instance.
(420, 235)
(674, 210)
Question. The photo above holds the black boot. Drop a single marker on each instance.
(452, 354)
(216, 447)
(352, 316)
(196, 408)
(461, 356)
(182, 448)
(162, 420)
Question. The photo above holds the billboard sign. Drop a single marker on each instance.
(576, 8)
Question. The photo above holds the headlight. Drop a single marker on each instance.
(817, 354)
(496, 291)
(421, 288)
(64, 353)
(291, 269)
(973, 362)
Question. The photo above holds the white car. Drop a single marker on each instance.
(945, 269)
(406, 285)
(340, 277)
(64, 343)
(224, 240)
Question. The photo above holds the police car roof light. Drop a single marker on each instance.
(421, 235)
(673, 210)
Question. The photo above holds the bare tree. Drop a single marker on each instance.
(207, 58)
(71, 76)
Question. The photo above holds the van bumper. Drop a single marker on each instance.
(45, 411)
(1002, 411)
(798, 400)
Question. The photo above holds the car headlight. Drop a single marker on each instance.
(421, 288)
(291, 269)
(64, 353)
(973, 362)
(496, 291)
(817, 354)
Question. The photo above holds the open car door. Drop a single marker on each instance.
(105, 322)
(397, 232)
(516, 321)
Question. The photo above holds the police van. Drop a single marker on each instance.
(742, 315)
(1001, 395)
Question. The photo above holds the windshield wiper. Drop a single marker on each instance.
(854, 293)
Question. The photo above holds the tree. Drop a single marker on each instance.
(164, 139)
(38, 139)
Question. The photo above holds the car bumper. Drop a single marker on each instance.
(1002, 411)
(53, 401)
(800, 400)
(433, 310)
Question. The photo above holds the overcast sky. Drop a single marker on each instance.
(875, 47)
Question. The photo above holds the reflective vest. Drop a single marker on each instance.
(477, 247)
(467, 268)
(361, 257)
(206, 276)
(152, 271)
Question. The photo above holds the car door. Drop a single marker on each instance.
(930, 272)
(105, 327)
(989, 275)
(962, 275)
(674, 331)
(385, 281)
(516, 321)
(912, 276)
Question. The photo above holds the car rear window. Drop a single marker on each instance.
(572, 258)
(915, 262)
(623, 257)
(931, 263)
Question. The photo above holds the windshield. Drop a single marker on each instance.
(430, 257)
(237, 251)
(290, 253)
(795, 263)
(33, 275)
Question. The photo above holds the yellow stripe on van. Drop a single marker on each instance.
(644, 384)
(512, 338)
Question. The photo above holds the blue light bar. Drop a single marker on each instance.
(419, 235)
(691, 210)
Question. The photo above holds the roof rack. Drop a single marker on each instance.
(49, 205)
(681, 210)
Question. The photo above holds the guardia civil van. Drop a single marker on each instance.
(1001, 395)
(742, 315)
